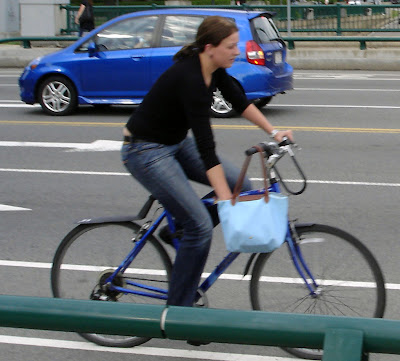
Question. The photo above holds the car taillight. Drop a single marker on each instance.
(254, 53)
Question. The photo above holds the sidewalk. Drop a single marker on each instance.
(15, 56)
(310, 56)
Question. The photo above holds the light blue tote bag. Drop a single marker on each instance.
(254, 225)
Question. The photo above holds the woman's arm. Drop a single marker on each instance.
(216, 174)
(235, 95)
(79, 13)
(253, 114)
(217, 179)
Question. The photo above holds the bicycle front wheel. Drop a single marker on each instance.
(90, 253)
(350, 281)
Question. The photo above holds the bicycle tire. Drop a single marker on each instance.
(90, 251)
(332, 255)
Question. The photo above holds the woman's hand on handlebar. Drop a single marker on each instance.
(281, 134)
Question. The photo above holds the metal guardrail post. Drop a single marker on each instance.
(338, 19)
(26, 44)
(343, 344)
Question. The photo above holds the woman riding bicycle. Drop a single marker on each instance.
(158, 152)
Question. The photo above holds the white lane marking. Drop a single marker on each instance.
(19, 105)
(49, 171)
(325, 76)
(309, 181)
(333, 106)
(295, 88)
(224, 276)
(348, 89)
(6, 208)
(269, 106)
(96, 146)
(351, 183)
(138, 350)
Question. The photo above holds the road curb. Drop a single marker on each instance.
(14, 56)
(345, 58)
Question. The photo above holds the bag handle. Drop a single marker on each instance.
(239, 182)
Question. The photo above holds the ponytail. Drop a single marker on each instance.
(186, 52)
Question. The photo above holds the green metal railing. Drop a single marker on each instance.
(336, 19)
(362, 40)
(291, 40)
(309, 20)
(26, 41)
(341, 338)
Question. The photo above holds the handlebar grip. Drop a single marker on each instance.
(251, 151)
(264, 146)
(269, 148)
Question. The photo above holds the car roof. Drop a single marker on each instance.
(249, 14)
(235, 13)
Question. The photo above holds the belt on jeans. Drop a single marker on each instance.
(129, 139)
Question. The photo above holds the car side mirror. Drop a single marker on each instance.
(93, 48)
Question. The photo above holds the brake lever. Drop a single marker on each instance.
(286, 146)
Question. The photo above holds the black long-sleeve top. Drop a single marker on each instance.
(179, 101)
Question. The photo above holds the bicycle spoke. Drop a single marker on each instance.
(85, 265)
(349, 280)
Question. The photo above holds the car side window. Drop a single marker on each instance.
(180, 30)
(265, 29)
(127, 34)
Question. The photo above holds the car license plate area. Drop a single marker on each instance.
(278, 59)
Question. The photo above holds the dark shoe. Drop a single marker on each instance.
(197, 343)
(166, 235)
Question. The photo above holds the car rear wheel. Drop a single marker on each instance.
(261, 102)
(220, 108)
(57, 96)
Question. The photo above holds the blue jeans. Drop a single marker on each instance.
(165, 171)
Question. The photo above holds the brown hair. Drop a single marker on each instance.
(212, 31)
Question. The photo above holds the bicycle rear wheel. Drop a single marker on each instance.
(350, 280)
(90, 253)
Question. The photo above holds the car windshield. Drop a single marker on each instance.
(127, 34)
(265, 29)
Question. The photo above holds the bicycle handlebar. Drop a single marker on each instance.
(269, 147)
(274, 152)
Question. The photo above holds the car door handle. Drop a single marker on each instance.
(137, 57)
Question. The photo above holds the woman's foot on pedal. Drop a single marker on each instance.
(166, 235)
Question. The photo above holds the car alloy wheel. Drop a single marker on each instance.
(57, 96)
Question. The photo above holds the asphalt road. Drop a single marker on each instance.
(345, 122)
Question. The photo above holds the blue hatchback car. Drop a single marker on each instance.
(118, 62)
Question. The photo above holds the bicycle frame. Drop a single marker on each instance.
(158, 293)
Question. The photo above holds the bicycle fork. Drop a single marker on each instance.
(293, 239)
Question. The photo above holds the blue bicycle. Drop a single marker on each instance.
(321, 270)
